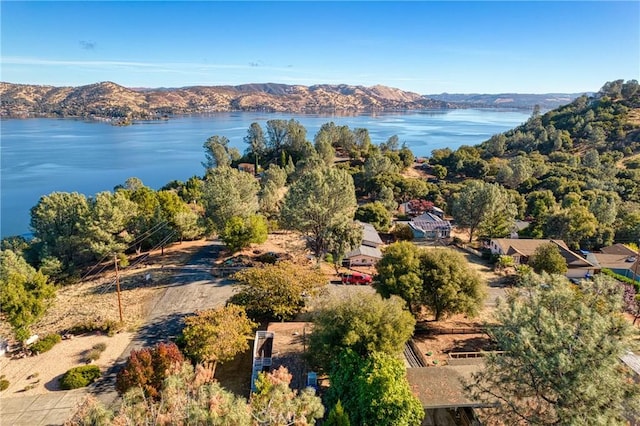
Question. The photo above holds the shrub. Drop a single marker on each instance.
(4, 384)
(622, 278)
(100, 346)
(93, 355)
(79, 377)
(148, 367)
(109, 327)
(46, 343)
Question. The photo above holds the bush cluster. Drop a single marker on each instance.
(4, 384)
(622, 278)
(79, 377)
(46, 343)
(109, 327)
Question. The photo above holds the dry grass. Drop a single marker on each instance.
(95, 299)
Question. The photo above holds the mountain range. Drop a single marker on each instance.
(108, 100)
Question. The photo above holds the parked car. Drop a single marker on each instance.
(356, 278)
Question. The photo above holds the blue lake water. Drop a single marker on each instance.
(40, 156)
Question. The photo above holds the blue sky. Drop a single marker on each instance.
(425, 47)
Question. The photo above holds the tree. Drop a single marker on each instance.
(188, 396)
(374, 390)
(57, 221)
(547, 258)
(24, 293)
(561, 362)
(364, 324)
(573, 225)
(229, 192)
(239, 233)
(110, 216)
(275, 403)
(481, 204)
(317, 204)
(147, 368)
(256, 141)
(217, 335)
(276, 291)
(450, 286)
(337, 416)
(437, 279)
(400, 273)
(217, 152)
(376, 214)
(344, 237)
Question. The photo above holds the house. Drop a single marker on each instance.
(620, 259)
(247, 167)
(364, 256)
(522, 249)
(368, 253)
(429, 226)
(370, 236)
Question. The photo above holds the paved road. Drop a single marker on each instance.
(192, 288)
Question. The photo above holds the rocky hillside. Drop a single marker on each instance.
(110, 101)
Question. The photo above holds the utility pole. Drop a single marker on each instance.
(115, 262)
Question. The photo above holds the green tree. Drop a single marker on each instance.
(483, 205)
(365, 323)
(573, 225)
(217, 152)
(547, 258)
(450, 286)
(438, 279)
(229, 192)
(57, 222)
(110, 216)
(376, 214)
(337, 416)
(256, 141)
(25, 293)
(275, 403)
(561, 362)
(217, 335)
(374, 390)
(276, 291)
(318, 204)
(344, 238)
(240, 233)
(400, 273)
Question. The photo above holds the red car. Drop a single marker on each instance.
(356, 278)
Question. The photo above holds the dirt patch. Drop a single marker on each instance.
(40, 374)
(93, 300)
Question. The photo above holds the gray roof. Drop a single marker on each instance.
(370, 236)
(632, 360)
(365, 251)
(429, 222)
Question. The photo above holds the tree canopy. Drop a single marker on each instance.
(437, 279)
(561, 363)
(547, 258)
(217, 335)
(363, 324)
(320, 202)
(277, 291)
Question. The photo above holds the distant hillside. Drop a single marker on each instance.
(509, 100)
(110, 100)
(606, 121)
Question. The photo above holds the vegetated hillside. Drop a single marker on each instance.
(109, 100)
(605, 122)
(545, 101)
(573, 172)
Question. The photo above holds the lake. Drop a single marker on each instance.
(40, 156)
